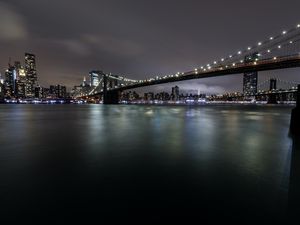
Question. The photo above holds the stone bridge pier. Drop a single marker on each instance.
(110, 97)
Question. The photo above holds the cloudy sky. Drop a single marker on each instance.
(139, 38)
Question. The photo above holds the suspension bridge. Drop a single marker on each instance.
(277, 52)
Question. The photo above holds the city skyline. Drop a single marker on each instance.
(67, 52)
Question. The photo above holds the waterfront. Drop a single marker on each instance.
(127, 164)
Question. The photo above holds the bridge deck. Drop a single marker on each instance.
(261, 65)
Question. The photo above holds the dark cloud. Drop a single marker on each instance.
(11, 24)
(138, 38)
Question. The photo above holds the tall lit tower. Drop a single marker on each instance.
(9, 83)
(31, 75)
(1, 88)
(95, 78)
(250, 78)
(20, 80)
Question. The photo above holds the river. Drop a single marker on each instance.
(127, 164)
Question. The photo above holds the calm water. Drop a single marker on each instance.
(95, 164)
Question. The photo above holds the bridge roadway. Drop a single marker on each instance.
(239, 68)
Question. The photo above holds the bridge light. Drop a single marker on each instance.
(255, 63)
(275, 58)
(284, 32)
(259, 43)
(233, 64)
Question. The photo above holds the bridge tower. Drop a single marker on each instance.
(273, 84)
(272, 98)
(110, 97)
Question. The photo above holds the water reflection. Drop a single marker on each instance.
(294, 185)
(168, 164)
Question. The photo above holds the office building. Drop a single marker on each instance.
(95, 77)
(31, 75)
(250, 78)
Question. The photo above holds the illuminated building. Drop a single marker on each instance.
(1, 89)
(84, 83)
(31, 75)
(20, 81)
(95, 78)
(9, 82)
(250, 78)
(38, 92)
(58, 91)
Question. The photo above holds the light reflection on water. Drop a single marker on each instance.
(145, 155)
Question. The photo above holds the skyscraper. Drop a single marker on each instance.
(1, 89)
(31, 75)
(250, 78)
(95, 78)
(9, 81)
(175, 93)
(20, 83)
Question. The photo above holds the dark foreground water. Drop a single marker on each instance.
(95, 164)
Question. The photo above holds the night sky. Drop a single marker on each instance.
(139, 38)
